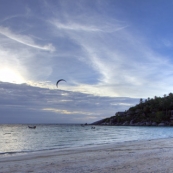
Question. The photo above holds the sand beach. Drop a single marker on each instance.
(148, 156)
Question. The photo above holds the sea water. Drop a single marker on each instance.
(17, 139)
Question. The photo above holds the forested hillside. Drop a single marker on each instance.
(152, 111)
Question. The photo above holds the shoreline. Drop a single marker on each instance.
(25, 153)
(154, 155)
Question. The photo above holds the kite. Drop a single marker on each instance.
(59, 81)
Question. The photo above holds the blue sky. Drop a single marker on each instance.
(111, 53)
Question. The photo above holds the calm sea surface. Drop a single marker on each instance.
(17, 139)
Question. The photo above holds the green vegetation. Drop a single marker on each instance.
(148, 112)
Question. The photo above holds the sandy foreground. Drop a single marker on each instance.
(129, 157)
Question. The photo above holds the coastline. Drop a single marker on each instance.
(134, 156)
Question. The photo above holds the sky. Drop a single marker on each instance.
(111, 53)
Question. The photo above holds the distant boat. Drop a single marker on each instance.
(32, 127)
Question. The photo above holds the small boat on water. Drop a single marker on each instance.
(83, 125)
(32, 127)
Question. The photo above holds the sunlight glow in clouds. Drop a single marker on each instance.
(9, 75)
(69, 112)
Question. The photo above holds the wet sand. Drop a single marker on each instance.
(149, 156)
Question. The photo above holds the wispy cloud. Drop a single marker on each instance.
(75, 27)
(109, 56)
(26, 40)
(96, 48)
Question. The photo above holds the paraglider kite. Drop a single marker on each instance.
(59, 81)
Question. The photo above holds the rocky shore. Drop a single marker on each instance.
(126, 123)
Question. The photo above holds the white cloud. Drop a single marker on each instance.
(69, 112)
(75, 27)
(26, 40)
(25, 64)
(124, 61)
(96, 51)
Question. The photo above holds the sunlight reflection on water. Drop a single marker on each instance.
(19, 138)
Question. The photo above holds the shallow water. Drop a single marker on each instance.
(15, 139)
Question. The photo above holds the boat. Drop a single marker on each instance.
(32, 127)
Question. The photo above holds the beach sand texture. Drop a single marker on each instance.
(151, 156)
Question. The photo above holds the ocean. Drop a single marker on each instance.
(19, 139)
